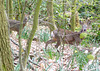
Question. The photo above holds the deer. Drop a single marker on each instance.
(15, 25)
(66, 36)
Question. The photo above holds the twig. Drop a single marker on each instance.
(14, 42)
(33, 63)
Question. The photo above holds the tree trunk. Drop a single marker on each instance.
(35, 23)
(20, 31)
(52, 25)
(19, 10)
(11, 9)
(77, 19)
(5, 52)
(73, 16)
(64, 17)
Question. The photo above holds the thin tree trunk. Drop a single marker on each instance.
(52, 25)
(5, 52)
(77, 19)
(20, 31)
(19, 10)
(10, 9)
(64, 9)
(19, 38)
(73, 16)
(35, 23)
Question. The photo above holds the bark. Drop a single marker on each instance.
(35, 23)
(52, 25)
(5, 52)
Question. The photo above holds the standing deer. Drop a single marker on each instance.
(15, 25)
(66, 36)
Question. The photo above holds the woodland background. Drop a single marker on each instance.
(27, 53)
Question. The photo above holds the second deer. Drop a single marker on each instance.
(15, 25)
(66, 36)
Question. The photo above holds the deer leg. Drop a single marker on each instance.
(49, 42)
(77, 40)
(57, 45)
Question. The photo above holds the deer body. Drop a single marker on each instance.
(15, 25)
(66, 36)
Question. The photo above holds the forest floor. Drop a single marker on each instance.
(40, 60)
